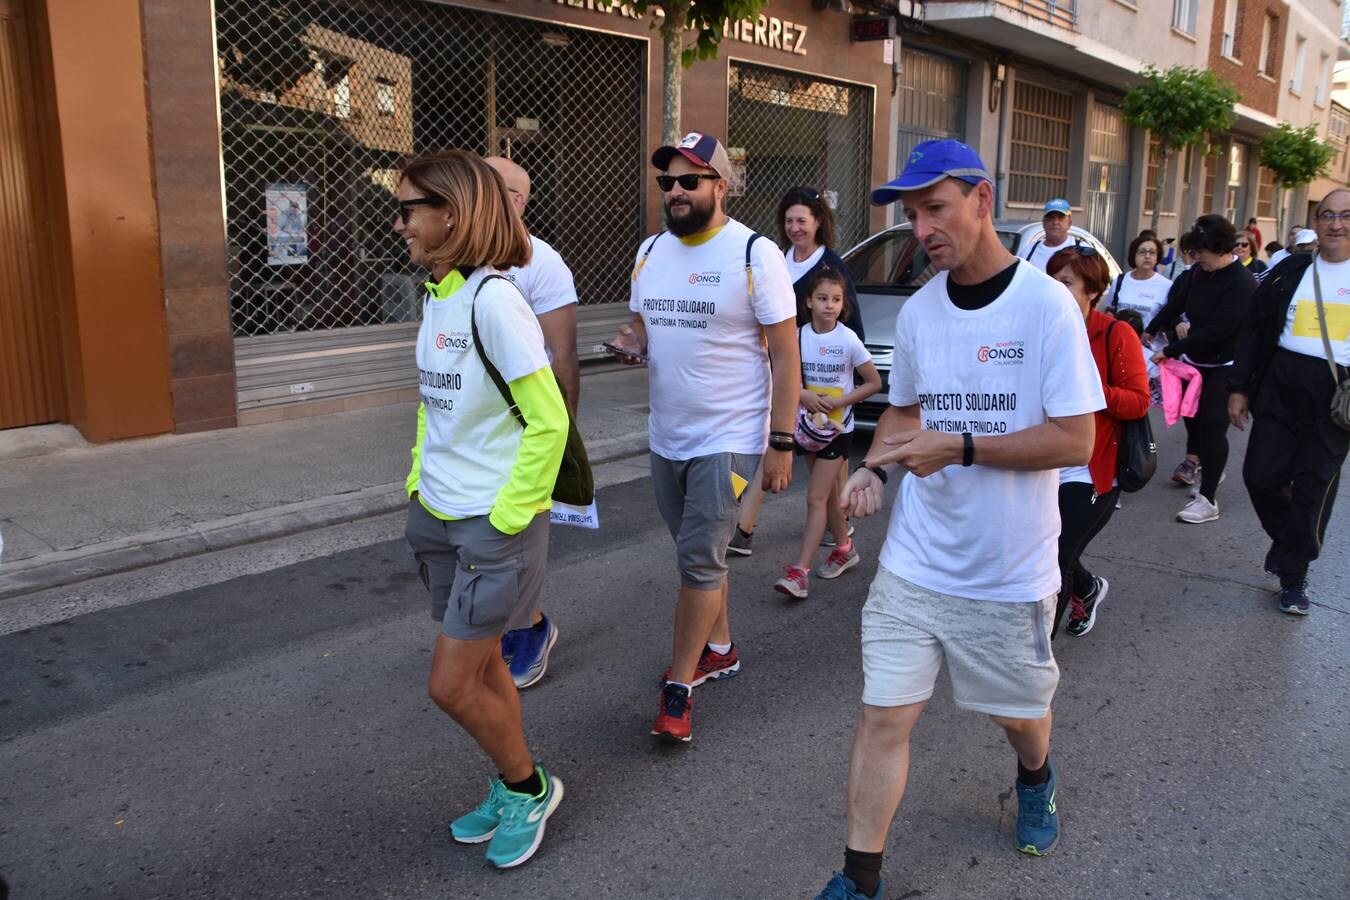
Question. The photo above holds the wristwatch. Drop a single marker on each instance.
(875, 470)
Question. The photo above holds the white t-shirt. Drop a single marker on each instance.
(471, 437)
(1039, 252)
(1276, 257)
(708, 365)
(828, 361)
(546, 282)
(1147, 297)
(797, 269)
(1302, 331)
(981, 532)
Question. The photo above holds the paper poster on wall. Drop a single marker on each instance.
(736, 184)
(287, 224)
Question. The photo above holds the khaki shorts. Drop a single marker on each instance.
(998, 654)
(482, 582)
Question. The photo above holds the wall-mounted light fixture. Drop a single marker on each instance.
(997, 73)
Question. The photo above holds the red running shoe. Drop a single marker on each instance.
(673, 722)
(713, 665)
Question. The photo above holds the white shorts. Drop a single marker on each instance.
(998, 654)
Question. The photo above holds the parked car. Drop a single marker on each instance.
(891, 265)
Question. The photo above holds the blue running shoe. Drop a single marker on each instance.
(529, 657)
(841, 888)
(522, 824)
(1037, 819)
(481, 824)
(508, 645)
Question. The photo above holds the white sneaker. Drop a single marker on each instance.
(1198, 511)
(1195, 489)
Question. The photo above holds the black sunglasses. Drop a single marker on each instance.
(689, 181)
(1085, 249)
(405, 206)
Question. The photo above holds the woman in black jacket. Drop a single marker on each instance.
(806, 224)
(1214, 297)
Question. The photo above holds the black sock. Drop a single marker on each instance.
(744, 533)
(539, 626)
(532, 786)
(863, 869)
(1033, 777)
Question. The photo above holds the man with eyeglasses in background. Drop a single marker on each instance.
(712, 305)
(548, 287)
(1283, 381)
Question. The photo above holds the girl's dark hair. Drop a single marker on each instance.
(1187, 242)
(1214, 233)
(1132, 318)
(834, 276)
(1145, 237)
(812, 200)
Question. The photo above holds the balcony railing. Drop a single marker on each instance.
(1063, 13)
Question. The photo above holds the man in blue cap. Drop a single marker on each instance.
(993, 388)
(1056, 221)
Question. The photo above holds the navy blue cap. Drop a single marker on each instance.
(700, 149)
(929, 163)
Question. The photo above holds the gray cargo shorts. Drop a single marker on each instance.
(482, 582)
(700, 500)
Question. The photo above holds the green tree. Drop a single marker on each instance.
(1180, 107)
(707, 20)
(1296, 156)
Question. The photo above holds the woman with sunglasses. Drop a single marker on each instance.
(1088, 494)
(806, 225)
(1247, 244)
(1213, 296)
(482, 477)
(1142, 288)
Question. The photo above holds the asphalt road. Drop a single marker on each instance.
(269, 735)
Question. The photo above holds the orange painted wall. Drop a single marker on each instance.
(114, 315)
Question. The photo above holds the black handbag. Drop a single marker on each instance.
(1136, 451)
(575, 484)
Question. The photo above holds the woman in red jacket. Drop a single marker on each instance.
(1087, 494)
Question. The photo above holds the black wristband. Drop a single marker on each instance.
(968, 449)
(783, 445)
(780, 434)
(875, 470)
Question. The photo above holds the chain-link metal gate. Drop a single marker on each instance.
(322, 100)
(800, 130)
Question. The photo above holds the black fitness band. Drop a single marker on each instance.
(875, 470)
(968, 449)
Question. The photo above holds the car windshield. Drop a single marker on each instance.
(896, 261)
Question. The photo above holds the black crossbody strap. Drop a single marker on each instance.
(749, 275)
(502, 387)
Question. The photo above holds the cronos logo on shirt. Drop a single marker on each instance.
(836, 350)
(455, 340)
(705, 278)
(1004, 353)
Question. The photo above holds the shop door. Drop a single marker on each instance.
(799, 130)
(31, 388)
(1109, 178)
(932, 92)
(321, 101)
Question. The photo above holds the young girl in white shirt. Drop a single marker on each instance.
(831, 353)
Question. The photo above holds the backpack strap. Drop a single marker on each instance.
(646, 253)
(502, 387)
(1115, 298)
(1114, 323)
(1032, 252)
(749, 275)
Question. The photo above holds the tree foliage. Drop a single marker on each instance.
(1295, 155)
(1180, 107)
(707, 20)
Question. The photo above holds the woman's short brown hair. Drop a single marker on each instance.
(485, 229)
(1090, 268)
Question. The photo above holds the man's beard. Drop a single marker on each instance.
(693, 221)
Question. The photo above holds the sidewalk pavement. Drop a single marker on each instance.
(70, 511)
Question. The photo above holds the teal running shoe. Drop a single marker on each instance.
(1037, 818)
(481, 824)
(841, 888)
(522, 823)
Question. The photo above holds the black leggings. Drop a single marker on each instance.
(1207, 431)
(1082, 514)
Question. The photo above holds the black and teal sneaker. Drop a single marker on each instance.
(841, 888)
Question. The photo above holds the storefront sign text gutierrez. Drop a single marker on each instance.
(765, 31)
